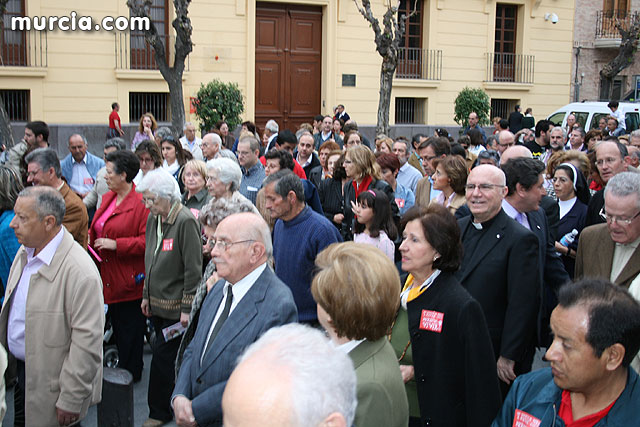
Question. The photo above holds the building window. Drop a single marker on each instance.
(13, 46)
(142, 55)
(614, 91)
(502, 107)
(410, 111)
(617, 8)
(504, 60)
(410, 53)
(156, 103)
(413, 31)
(16, 103)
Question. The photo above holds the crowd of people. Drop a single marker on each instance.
(435, 267)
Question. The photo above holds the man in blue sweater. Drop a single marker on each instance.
(298, 236)
(597, 332)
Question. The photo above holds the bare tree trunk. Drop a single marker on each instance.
(387, 70)
(183, 46)
(626, 53)
(388, 41)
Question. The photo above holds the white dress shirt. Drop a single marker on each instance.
(240, 289)
(17, 315)
(621, 256)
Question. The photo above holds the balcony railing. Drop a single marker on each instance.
(510, 67)
(133, 52)
(606, 22)
(23, 48)
(416, 63)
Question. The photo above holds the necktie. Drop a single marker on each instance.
(223, 316)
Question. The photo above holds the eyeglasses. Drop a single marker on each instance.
(224, 246)
(608, 161)
(620, 221)
(34, 173)
(482, 187)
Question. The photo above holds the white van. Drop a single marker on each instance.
(588, 114)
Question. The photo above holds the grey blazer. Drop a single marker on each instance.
(268, 303)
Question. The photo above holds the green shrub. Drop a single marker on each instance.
(470, 100)
(219, 101)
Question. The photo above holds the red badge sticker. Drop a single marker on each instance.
(522, 419)
(88, 181)
(431, 321)
(195, 212)
(400, 202)
(167, 245)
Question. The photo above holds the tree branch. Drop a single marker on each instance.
(626, 53)
(184, 30)
(365, 11)
(142, 10)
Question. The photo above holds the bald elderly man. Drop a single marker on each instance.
(496, 246)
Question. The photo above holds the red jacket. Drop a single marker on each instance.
(126, 225)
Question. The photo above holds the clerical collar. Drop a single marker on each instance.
(486, 224)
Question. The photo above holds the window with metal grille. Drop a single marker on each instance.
(16, 104)
(410, 111)
(502, 107)
(156, 103)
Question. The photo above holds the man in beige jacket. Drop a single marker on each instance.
(52, 320)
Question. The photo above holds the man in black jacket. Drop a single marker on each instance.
(500, 270)
(522, 203)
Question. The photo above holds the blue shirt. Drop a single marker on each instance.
(404, 198)
(8, 248)
(252, 181)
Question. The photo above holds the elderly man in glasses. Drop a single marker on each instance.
(500, 270)
(247, 301)
(610, 251)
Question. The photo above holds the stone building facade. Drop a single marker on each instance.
(596, 42)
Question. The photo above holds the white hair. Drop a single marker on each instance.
(322, 376)
(215, 138)
(228, 171)
(187, 124)
(159, 182)
(624, 184)
(559, 129)
(272, 126)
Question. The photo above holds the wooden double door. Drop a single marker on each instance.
(288, 64)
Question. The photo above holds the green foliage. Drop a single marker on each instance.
(469, 100)
(219, 101)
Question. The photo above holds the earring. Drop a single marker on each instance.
(435, 258)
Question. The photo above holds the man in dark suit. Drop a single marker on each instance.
(248, 301)
(499, 269)
(525, 189)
